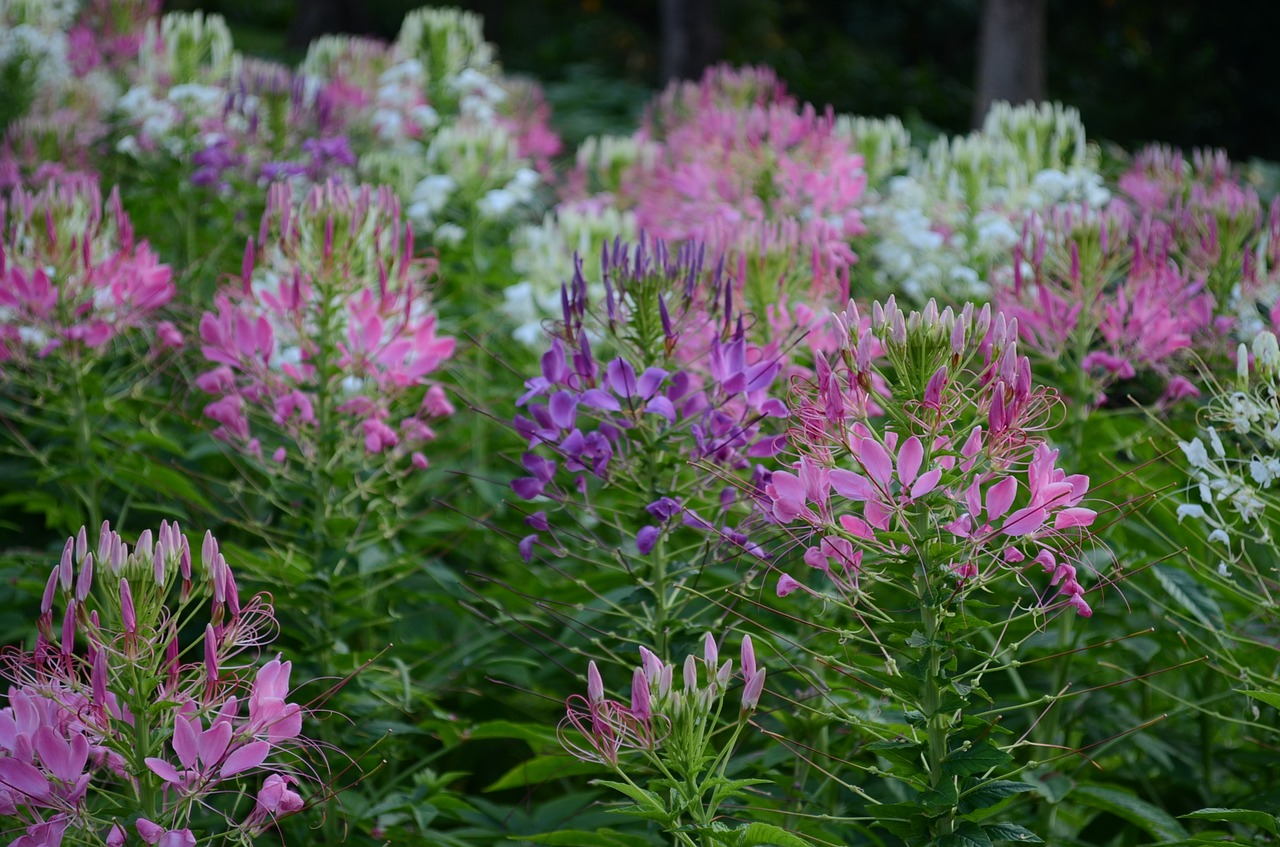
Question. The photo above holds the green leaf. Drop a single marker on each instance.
(967, 834)
(1140, 813)
(535, 734)
(1190, 594)
(584, 838)
(978, 759)
(1271, 698)
(945, 796)
(904, 754)
(761, 834)
(542, 768)
(640, 795)
(988, 794)
(1262, 820)
(1012, 832)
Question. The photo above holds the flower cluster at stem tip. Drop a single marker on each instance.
(597, 728)
(329, 322)
(117, 720)
(960, 478)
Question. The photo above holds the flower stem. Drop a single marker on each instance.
(936, 728)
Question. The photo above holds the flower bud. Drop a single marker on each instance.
(710, 652)
(595, 685)
(640, 700)
(651, 663)
(752, 690)
(127, 613)
(65, 567)
(690, 672)
(748, 657)
(84, 582)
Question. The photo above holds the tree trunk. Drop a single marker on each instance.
(689, 38)
(1011, 51)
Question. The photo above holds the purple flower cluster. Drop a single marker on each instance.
(677, 400)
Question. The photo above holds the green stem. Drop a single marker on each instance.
(88, 490)
(937, 726)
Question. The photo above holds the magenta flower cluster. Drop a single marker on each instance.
(329, 330)
(960, 464)
(117, 723)
(735, 163)
(72, 276)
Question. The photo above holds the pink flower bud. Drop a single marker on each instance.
(748, 657)
(651, 663)
(82, 544)
(752, 690)
(104, 541)
(127, 614)
(116, 836)
(640, 702)
(710, 652)
(46, 600)
(208, 550)
(690, 673)
(84, 582)
(98, 679)
(595, 685)
(65, 567)
(69, 628)
(210, 655)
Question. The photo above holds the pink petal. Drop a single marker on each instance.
(214, 742)
(1025, 521)
(926, 483)
(23, 778)
(849, 484)
(247, 757)
(164, 770)
(1076, 516)
(1000, 497)
(786, 585)
(909, 458)
(185, 742)
(876, 460)
(856, 526)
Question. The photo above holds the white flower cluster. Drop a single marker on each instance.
(448, 42)
(602, 159)
(957, 212)
(33, 48)
(1235, 467)
(884, 143)
(47, 15)
(184, 65)
(185, 47)
(437, 115)
(544, 257)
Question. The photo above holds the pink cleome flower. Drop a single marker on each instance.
(329, 326)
